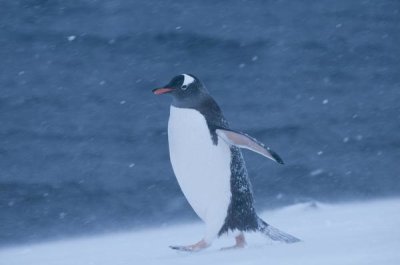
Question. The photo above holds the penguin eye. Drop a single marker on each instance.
(184, 87)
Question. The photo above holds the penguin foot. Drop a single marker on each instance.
(240, 243)
(202, 244)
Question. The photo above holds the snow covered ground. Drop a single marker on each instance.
(353, 233)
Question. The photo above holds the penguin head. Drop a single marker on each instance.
(184, 87)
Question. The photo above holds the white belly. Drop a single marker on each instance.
(201, 168)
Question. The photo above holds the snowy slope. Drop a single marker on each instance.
(354, 233)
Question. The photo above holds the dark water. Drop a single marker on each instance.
(83, 144)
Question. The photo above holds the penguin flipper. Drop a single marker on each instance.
(243, 140)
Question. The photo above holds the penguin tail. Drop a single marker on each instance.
(274, 233)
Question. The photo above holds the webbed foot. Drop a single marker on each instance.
(202, 244)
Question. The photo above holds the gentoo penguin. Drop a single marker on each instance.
(208, 164)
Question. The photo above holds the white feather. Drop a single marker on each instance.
(187, 80)
(201, 168)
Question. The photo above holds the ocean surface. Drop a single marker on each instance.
(83, 141)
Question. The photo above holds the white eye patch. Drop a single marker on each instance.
(187, 80)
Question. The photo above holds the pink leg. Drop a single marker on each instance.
(202, 244)
(240, 242)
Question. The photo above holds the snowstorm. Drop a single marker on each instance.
(300, 102)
